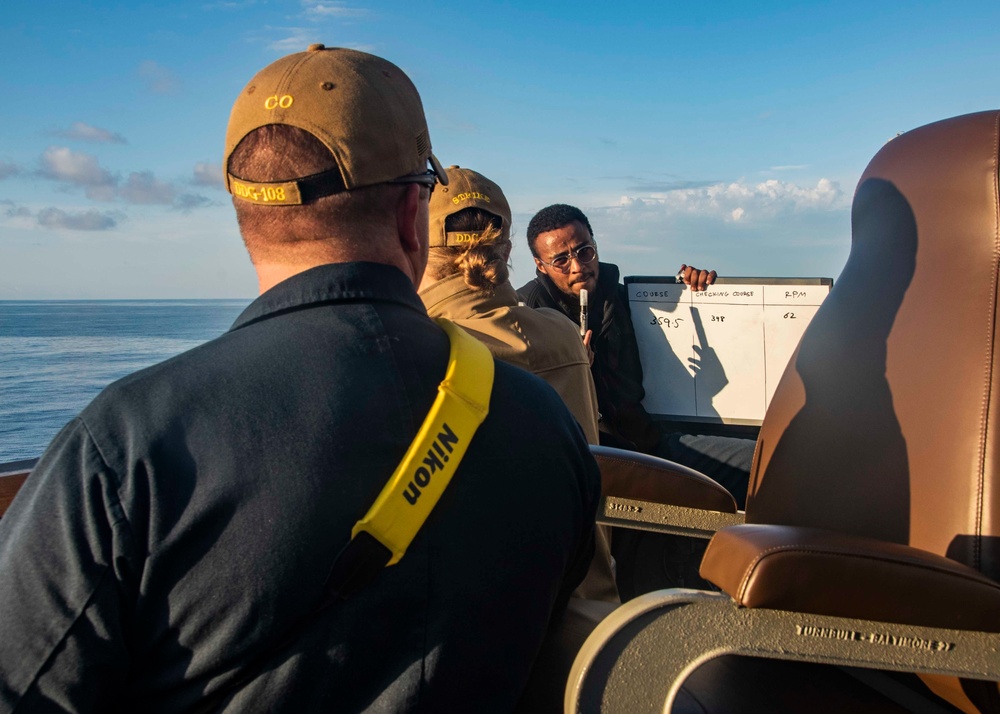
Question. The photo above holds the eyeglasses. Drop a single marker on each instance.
(583, 254)
(428, 178)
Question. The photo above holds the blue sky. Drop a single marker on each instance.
(726, 135)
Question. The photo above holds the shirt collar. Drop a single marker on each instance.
(334, 282)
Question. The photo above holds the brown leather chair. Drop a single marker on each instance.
(872, 532)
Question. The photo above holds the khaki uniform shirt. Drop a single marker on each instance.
(542, 341)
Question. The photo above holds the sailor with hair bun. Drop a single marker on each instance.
(467, 281)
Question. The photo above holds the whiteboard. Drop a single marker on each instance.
(717, 355)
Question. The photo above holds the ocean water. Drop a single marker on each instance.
(56, 356)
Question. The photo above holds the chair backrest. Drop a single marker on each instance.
(885, 423)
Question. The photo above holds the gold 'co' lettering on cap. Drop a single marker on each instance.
(274, 101)
(284, 193)
(470, 196)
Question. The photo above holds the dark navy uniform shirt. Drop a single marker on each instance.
(616, 368)
(175, 529)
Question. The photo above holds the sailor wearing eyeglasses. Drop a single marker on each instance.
(562, 242)
(178, 546)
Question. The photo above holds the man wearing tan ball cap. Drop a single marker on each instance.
(185, 544)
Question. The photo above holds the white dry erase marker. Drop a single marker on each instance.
(583, 312)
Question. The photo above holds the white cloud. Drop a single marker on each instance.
(318, 9)
(78, 221)
(62, 164)
(206, 174)
(158, 79)
(13, 210)
(142, 187)
(297, 41)
(739, 201)
(231, 4)
(8, 169)
(187, 202)
(86, 132)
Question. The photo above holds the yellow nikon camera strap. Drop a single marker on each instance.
(462, 402)
(382, 536)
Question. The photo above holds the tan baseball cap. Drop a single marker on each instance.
(465, 188)
(362, 107)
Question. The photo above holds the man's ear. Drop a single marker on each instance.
(407, 216)
(540, 265)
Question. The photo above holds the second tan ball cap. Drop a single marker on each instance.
(363, 108)
(465, 189)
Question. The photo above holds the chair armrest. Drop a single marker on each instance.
(828, 573)
(640, 477)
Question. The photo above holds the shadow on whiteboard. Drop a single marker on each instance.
(708, 373)
(666, 377)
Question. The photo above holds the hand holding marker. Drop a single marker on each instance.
(583, 312)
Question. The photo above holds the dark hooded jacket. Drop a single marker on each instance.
(617, 371)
